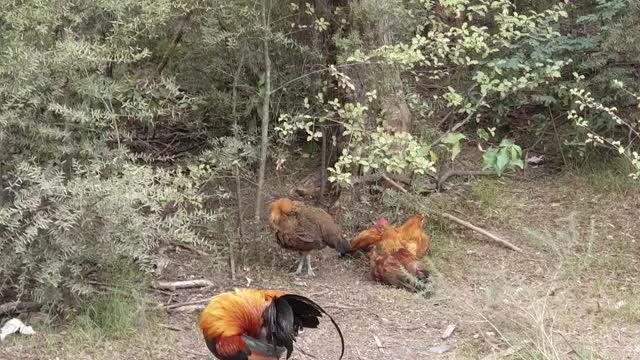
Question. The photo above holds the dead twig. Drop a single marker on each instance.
(378, 343)
(18, 306)
(394, 184)
(170, 327)
(460, 124)
(186, 284)
(189, 247)
(188, 308)
(183, 304)
(481, 231)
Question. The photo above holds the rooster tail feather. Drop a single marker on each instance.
(279, 319)
(306, 309)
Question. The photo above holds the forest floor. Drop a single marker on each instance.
(572, 294)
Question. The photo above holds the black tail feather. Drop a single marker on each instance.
(305, 309)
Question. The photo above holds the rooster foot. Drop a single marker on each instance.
(301, 262)
(310, 272)
(304, 260)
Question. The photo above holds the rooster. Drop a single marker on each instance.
(413, 238)
(249, 324)
(364, 240)
(391, 261)
(392, 268)
(302, 228)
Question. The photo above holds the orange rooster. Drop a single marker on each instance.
(302, 228)
(392, 268)
(390, 261)
(250, 324)
(412, 236)
(364, 240)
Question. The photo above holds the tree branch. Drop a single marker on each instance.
(460, 124)
(176, 39)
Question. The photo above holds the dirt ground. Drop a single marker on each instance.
(571, 294)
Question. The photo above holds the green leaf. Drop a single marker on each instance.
(489, 159)
(518, 162)
(501, 161)
(483, 134)
(453, 139)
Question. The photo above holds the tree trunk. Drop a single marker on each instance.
(264, 144)
(385, 79)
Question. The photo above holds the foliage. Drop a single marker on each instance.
(489, 55)
(507, 156)
(587, 108)
(57, 231)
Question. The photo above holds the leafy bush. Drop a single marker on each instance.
(56, 232)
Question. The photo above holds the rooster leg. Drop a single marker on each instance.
(301, 262)
(309, 268)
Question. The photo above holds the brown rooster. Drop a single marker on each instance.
(302, 228)
(364, 240)
(413, 238)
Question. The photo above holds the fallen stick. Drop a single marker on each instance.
(189, 248)
(481, 231)
(189, 308)
(460, 221)
(183, 304)
(394, 184)
(17, 306)
(186, 284)
(170, 327)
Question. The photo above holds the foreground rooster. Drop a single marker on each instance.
(258, 324)
(391, 261)
(302, 228)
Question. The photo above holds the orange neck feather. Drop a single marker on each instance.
(279, 208)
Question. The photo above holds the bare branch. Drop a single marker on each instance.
(481, 231)
(186, 284)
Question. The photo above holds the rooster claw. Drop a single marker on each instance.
(304, 260)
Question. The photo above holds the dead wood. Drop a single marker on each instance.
(183, 304)
(188, 308)
(186, 284)
(18, 306)
(170, 327)
(189, 248)
(481, 231)
(394, 184)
